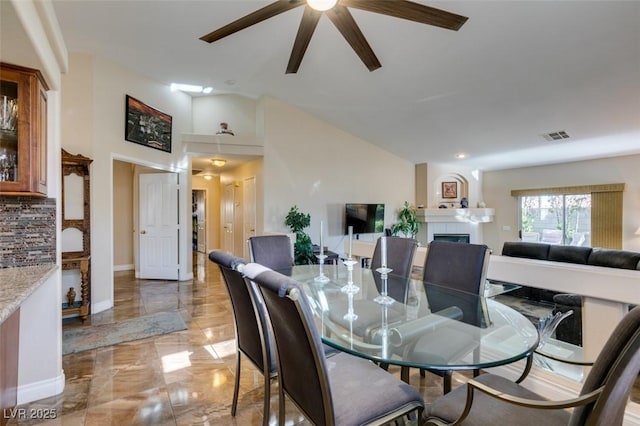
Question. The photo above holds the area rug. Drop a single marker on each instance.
(96, 336)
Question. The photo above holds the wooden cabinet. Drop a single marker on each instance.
(76, 218)
(23, 132)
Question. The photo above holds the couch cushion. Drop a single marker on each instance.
(614, 258)
(527, 250)
(570, 254)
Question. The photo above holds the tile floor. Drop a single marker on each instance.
(183, 378)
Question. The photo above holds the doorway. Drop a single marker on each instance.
(199, 220)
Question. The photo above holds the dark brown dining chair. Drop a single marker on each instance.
(460, 267)
(253, 337)
(400, 253)
(340, 389)
(491, 399)
(272, 251)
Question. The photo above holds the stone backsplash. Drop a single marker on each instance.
(27, 231)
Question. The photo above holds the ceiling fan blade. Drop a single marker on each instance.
(410, 10)
(259, 15)
(344, 22)
(308, 25)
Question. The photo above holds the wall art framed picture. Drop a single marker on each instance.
(449, 189)
(146, 125)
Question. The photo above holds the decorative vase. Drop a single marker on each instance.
(71, 296)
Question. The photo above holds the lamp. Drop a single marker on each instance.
(218, 162)
(321, 5)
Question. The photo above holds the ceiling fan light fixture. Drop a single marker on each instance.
(321, 5)
(218, 162)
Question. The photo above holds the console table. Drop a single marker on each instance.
(81, 307)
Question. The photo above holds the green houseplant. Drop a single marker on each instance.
(408, 224)
(303, 248)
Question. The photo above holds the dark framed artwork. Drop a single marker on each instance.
(147, 126)
(449, 189)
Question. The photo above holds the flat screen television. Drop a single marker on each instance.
(365, 218)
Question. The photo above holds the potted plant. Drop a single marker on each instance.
(408, 223)
(302, 248)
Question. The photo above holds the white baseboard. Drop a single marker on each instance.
(39, 390)
(117, 268)
(101, 306)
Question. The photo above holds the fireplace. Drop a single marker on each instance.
(455, 238)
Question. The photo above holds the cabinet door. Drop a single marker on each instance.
(23, 131)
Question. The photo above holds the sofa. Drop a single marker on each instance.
(569, 330)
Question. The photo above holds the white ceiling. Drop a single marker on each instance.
(516, 70)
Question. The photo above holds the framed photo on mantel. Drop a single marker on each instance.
(449, 189)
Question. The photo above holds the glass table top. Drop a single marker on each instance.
(418, 324)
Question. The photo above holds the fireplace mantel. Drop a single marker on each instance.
(484, 215)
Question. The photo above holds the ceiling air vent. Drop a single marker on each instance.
(556, 136)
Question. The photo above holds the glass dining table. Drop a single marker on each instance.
(407, 322)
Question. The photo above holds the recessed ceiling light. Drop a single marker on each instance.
(460, 155)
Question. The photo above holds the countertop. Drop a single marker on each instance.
(17, 284)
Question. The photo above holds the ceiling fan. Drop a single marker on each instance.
(337, 11)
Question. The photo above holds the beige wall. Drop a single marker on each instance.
(93, 102)
(497, 187)
(319, 168)
(123, 215)
(237, 111)
(308, 163)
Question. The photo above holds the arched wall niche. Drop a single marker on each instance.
(444, 183)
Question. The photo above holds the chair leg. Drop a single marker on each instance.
(236, 388)
(280, 404)
(447, 381)
(267, 398)
(423, 373)
(404, 374)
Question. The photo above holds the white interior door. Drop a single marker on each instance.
(228, 199)
(158, 231)
(249, 215)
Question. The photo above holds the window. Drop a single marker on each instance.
(588, 215)
(556, 219)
